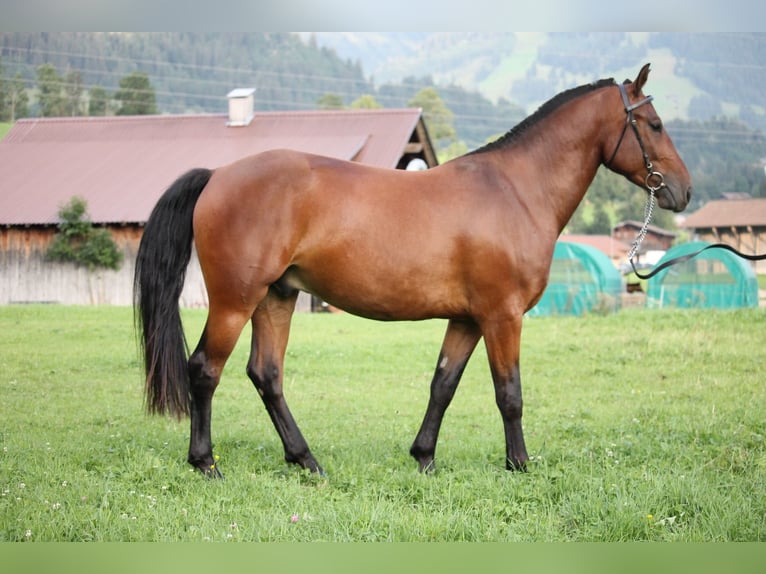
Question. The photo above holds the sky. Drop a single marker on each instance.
(391, 15)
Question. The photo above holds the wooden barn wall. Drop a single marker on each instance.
(26, 277)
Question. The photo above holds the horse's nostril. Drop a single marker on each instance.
(688, 195)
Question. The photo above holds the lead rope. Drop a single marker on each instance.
(648, 211)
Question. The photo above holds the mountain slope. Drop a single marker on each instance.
(695, 76)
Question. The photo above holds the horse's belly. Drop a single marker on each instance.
(379, 293)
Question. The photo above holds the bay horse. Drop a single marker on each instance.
(470, 241)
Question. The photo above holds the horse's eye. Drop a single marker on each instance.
(656, 126)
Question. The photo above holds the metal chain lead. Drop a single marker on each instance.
(648, 211)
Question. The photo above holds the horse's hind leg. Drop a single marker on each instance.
(271, 328)
(205, 366)
(459, 342)
(503, 338)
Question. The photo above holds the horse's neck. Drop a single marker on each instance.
(554, 164)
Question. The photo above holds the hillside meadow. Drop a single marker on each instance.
(641, 425)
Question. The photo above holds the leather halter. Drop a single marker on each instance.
(654, 179)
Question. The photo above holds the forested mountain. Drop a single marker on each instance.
(192, 72)
(708, 87)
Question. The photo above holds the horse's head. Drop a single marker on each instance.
(641, 149)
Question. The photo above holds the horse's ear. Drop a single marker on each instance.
(640, 80)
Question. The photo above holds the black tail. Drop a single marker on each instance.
(163, 256)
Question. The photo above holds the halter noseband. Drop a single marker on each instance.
(651, 174)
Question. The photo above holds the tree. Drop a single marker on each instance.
(453, 150)
(330, 102)
(50, 93)
(73, 92)
(366, 102)
(79, 242)
(17, 99)
(4, 87)
(13, 97)
(136, 96)
(98, 101)
(577, 223)
(438, 118)
(633, 210)
(600, 224)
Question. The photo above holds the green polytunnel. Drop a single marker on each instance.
(582, 279)
(715, 278)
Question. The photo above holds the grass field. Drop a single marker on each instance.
(642, 425)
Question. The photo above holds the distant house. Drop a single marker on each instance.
(121, 166)
(657, 238)
(740, 223)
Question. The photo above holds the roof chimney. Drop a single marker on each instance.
(241, 104)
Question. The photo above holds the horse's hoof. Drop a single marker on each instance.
(516, 465)
(313, 470)
(307, 463)
(427, 466)
(213, 472)
(208, 470)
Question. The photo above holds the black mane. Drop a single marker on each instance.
(543, 111)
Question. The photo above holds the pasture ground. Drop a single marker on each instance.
(642, 426)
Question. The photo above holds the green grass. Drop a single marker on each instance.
(4, 128)
(643, 425)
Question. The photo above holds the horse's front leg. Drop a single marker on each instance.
(502, 337)
(459, 342)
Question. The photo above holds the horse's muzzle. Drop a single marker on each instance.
(674, 199)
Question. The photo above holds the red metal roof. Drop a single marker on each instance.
(728, 213)
(121, 165)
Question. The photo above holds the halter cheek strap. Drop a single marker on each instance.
(654, 179)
